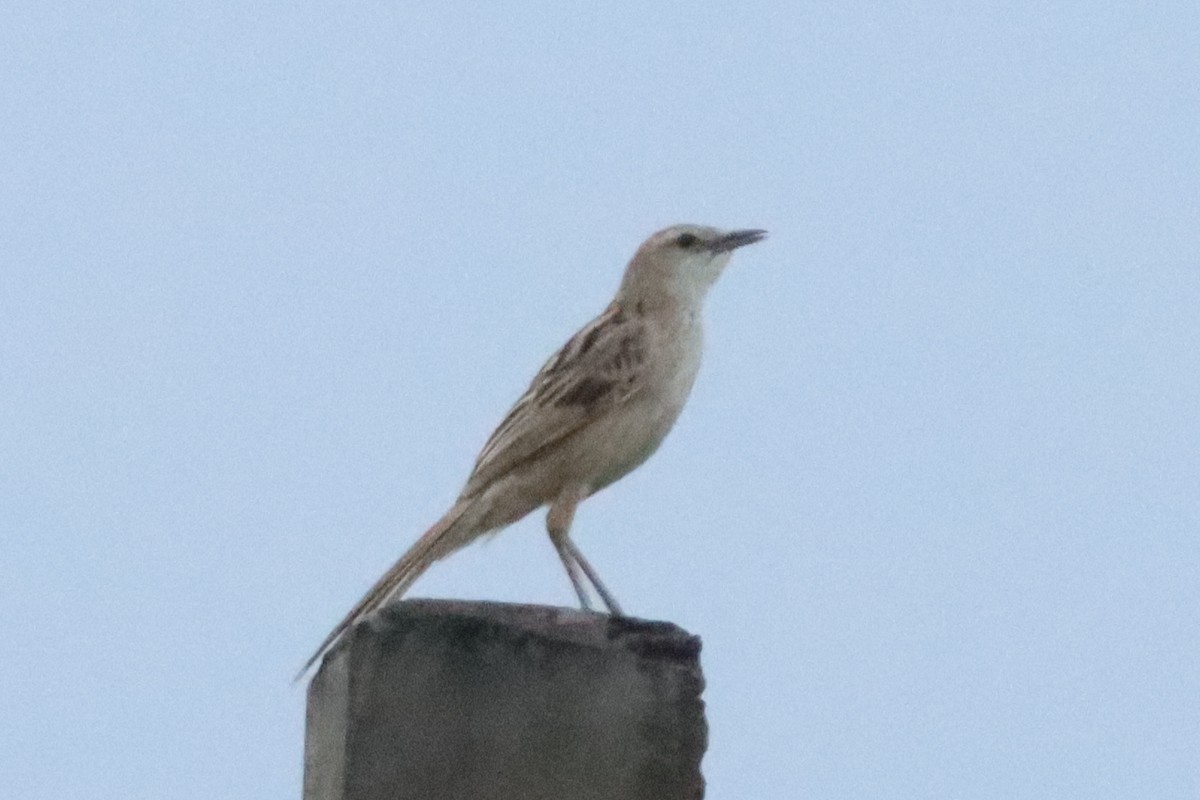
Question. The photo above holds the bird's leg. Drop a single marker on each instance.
(558, 524)
(572, 571)
(614, 608)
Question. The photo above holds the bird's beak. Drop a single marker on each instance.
(736, 239)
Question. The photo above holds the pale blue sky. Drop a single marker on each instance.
(270, 273)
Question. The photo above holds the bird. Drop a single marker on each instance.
(595, 411)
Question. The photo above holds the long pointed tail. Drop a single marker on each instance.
(449, 533)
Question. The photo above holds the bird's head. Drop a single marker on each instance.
(680, 263)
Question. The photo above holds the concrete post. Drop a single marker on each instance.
(444, 700)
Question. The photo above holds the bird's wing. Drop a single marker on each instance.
(599, 368)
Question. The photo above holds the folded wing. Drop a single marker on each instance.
(598, 369)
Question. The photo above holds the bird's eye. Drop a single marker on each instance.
(686, 240)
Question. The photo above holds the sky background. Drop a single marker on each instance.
(270, 274)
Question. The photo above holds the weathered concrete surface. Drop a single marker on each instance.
(444, 700)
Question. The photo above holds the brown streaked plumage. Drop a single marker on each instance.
(597, 409)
